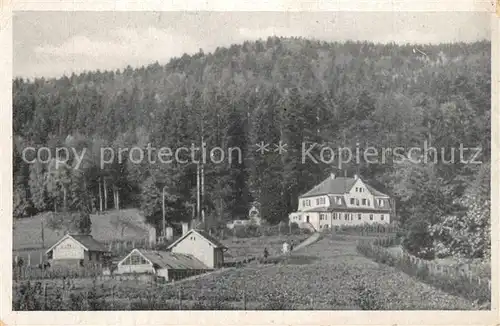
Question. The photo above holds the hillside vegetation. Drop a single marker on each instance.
(280, 89)
(126, 224)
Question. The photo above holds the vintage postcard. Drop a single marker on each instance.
(287, 165)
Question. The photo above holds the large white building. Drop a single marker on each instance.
(342, 201)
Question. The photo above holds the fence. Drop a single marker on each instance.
(453, 279)
(32, 272)
(367, 229)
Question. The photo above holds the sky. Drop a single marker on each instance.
(51, 44)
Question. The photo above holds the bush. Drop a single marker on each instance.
(368, 298)
(418, 240)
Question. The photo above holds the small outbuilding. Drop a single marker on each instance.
(77, 250)
(165, 264)
(201, 245)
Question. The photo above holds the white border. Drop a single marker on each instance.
(248, 317)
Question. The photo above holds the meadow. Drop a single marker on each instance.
(327, 275)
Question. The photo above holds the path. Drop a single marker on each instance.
(309, 241)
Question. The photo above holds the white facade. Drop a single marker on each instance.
(198, 246)
(68, 248)
(354, 204)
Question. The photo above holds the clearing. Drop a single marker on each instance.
(126, 224)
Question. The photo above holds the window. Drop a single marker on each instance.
(326, 226)
(359, 216)
(352, 201)
(382, 217)
(339, 200)
(371, 217)
(381, 203)
(334, 216)
(363, 201)
(357, 202)
(368, 202)
(317, 201)
(346, 216)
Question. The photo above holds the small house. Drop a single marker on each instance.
(77, 250)
(201, 245)
(165, 264)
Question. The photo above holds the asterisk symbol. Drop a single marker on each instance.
(262, 147)
(280, 148)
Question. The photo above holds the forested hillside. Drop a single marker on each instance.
(293, 90)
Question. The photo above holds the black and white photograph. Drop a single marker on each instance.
(319, 161)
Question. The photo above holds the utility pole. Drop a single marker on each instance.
(202, 182)
(198, 193)
(163, 212)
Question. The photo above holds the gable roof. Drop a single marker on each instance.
(165, 259)
(375, 192)
(339, 186)
(216, 243)
(86, 241)
(330, 186)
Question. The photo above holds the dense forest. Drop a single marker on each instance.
(352, 94)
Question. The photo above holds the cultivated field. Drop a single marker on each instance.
(328, 274)
(244, 248)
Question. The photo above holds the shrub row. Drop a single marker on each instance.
(472, 288)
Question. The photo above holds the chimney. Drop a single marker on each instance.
(332, 175)
(356, 177)
(185, 228)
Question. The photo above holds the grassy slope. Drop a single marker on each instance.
(125, 224)
(322, 276)
(325, 275)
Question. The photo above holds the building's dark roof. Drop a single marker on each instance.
(374, 191)
(165, 259)
(338, 186)
(86, 241)
(210, 238)
(216, 243)
(330, 186)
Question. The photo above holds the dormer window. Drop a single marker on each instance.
(352, 201)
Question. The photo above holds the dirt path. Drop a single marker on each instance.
(309, 241)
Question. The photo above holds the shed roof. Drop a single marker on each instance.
(165, 259)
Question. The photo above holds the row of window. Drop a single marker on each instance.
(366, 202)
(135, 260)
(349, 216)
(338, 200)
(338, 216)
(359, 189)
(319, 201)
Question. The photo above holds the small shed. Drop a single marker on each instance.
(201, 245)
(162, 263)
(77, 250)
